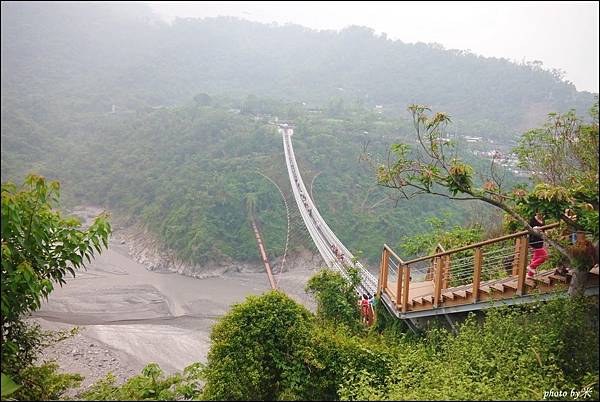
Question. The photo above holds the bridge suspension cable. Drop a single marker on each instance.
(287, 238)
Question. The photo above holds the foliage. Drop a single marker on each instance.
(37, 382)
(164, 64)
(44, 382)
(519, 354)
(571, 164)
(336, 299)
(338, 356)
(269, 347)
(39, 247)
(387, 324)
(151, 384)
(190, 121)
(21, 343)
(185, 173)
(449, 238)
(8, 386)
(259, 351)
(563, 158)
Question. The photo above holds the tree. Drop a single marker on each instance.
(202, 99)
(39, 247)
(336, 298)
(258, 351)
(565, 151)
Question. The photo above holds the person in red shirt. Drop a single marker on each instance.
(537, 244)
(366, 310)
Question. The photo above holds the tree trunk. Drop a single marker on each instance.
(577, 286)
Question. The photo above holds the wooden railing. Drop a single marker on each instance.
(462, 269)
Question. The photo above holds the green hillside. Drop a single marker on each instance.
(185, 167)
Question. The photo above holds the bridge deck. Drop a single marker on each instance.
(333, 251)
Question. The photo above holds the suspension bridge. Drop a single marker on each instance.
(446, 282)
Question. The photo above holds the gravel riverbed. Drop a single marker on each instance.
(128, 316)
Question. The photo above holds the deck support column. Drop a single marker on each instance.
(452, 326)
(476, 274)
(437, 282)
(406, 272)
(522, 265)
(399, 287)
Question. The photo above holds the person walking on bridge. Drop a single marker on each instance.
(366, 310)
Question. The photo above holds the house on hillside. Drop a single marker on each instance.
(468, 138)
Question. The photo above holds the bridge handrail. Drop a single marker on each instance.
(475, 245)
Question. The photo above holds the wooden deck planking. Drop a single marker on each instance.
(543, 284)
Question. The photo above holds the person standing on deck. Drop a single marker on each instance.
(537, 244)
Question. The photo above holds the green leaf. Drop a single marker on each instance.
(8, 385)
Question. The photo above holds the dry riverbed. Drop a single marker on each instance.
(129, 316)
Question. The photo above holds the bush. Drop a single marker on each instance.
(20, 352)
(340, 359)
(388, 325)
(517, 353)
(259, 351)
(337, 301)
(42, 383)
(151, 384)
(39, 248)
(270, 347)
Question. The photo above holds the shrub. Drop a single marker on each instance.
(42, 383)
(151, 384)
(336, 299)
(517, 353)
(39, 248)
(259, 349)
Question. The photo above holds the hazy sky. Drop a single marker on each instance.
(562, 35)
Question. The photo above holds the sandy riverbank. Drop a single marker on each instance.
(129, 316)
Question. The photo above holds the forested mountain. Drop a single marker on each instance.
(96, 55)
(186, 170)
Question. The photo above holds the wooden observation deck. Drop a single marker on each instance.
(469, 278)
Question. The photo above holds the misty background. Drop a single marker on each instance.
(563, 35)
(166, 121)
